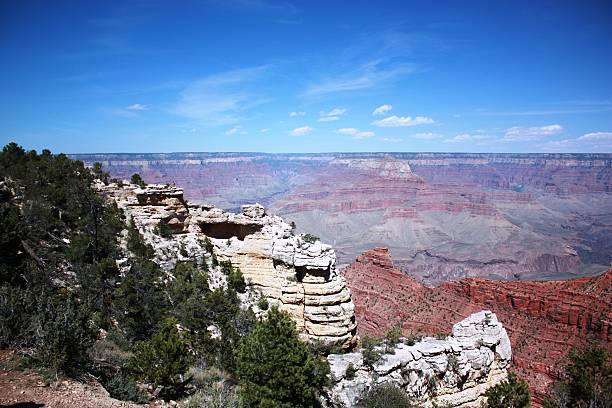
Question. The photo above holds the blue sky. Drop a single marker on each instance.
(313, 76)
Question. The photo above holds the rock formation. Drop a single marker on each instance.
(455, 371)
(296, 273)
(544, 319)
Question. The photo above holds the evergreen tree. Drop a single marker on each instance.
(510, 393)
(586, 381)
(162, 360)
(275, 368)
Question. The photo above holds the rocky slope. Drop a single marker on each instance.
(444, 216)
(544, 319)
(297, 274)
(454, 371)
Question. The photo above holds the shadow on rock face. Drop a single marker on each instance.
(23, 405)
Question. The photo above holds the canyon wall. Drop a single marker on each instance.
(544, 319)
(444, 216)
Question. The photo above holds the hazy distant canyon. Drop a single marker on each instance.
(443, 216)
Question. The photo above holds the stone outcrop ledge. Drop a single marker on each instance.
(453, 372)
(296, 273)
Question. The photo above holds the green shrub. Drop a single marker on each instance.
(125, 388)
(236, 281)
(262, 302)
(371, 355)
(392, 338)
(385, 396)
(136, 179)
(350, 372)
(276, 369)
(586, 380)
(310, 238)
(510, 393)
(162, 360)
(163, 229)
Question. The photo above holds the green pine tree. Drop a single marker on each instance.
(510, 393)
(276, 369)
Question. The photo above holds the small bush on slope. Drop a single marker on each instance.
(385, 396)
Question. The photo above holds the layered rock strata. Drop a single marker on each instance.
(454, 372)
(296, 273)
(544, 319)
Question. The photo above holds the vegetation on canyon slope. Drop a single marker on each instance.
(67, 308)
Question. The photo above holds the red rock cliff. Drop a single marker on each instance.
(544, 319)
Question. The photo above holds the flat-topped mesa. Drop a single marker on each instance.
(297, 273)
(455, 371)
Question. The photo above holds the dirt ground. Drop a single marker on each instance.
(27, 389)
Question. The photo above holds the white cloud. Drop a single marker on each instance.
(525, 134)
(301, 131)
(391, 140)
(466, 137)
(373, 74)
(596, 136)
(221, 99)
(382, 109)
(328, 118)
(397, 121)
(427, 136)
(356, 133)
(236, 130)
(332, 115)
(294, 114)
(264, 130)
(137, 107)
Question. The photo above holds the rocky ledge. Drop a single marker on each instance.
(297, 273)
(455, 371)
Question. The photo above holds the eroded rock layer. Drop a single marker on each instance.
(544, 319)
(444, 216)
(454, 371)
(294, 272)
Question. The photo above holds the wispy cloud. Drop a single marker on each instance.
(332, 115)
(264, 130)
(427, 136)
(382, 109)
(466, 137)
(356, 133)
(236, 130)
(301, 131)
(367, 76)
(294, 114)
(596, 136)
(223, 98)
(525, 134)
(399, 121)
(392, 140)
(596, 142)
(137, 107)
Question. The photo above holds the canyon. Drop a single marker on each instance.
(297, 273)
(544, 320)
(443, 216)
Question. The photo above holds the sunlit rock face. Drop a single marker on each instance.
(455, 371)
(297, 274)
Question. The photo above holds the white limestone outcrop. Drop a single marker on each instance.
(453, 372)
(288, 270)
